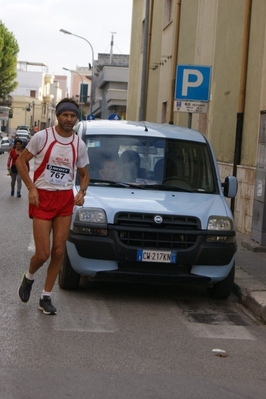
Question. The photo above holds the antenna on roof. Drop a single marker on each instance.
(111, 48)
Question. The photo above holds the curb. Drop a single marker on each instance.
(251, 293)
(252, 245)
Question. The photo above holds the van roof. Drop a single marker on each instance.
(111, 127)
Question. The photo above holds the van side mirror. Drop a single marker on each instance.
(230, 186)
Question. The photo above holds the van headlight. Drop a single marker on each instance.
(221, 226)
(91, 215)
(90, 221)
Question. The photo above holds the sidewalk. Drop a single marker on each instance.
(250, 277)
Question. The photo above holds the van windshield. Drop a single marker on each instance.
(151, 161)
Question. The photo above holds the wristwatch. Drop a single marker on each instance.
(84, 191)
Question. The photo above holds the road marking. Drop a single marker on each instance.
(82, 313)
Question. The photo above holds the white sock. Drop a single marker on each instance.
(45, 293)
(29, 276)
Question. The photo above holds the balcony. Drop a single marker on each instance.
(49, 79)
(48, 99)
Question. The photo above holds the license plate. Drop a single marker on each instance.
(156, 256)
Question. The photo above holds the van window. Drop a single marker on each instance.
(151, 161)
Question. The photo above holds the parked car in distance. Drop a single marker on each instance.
(5, 145)
(23, 127)
(155, 210)
(22, 133)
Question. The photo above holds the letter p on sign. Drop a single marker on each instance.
(189, 82)
(193, 83)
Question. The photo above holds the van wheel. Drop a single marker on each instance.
(223, 289)
(68, 279)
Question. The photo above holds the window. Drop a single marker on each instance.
(83, 93)
(151, 161)
(142, 35)
(167, 12)
(164, 109)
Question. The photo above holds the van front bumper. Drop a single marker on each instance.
(99, 256)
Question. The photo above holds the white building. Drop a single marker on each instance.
(35, 97)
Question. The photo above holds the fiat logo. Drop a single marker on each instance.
(158, 219)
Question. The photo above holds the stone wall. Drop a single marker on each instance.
(243, 208)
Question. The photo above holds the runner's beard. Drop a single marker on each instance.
(68, 126)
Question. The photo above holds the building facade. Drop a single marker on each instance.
(102, 89)
(35, 98)
(110, 85)
(80, 88)
(230, 37)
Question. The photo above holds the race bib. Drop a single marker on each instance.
(57, 175)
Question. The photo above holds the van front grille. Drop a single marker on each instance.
(140, 230)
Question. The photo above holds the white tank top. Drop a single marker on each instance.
(55, 162)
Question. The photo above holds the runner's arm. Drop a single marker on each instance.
(84, 181)
(22, 166)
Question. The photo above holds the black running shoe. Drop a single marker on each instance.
(46, 306)
(25, 288)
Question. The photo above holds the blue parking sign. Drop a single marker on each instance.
(193, 82)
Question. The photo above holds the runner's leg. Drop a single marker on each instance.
(61, 226)
(41, 234)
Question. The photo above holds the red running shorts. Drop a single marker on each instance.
(52, 204)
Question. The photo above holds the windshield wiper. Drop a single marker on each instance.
(115, 183)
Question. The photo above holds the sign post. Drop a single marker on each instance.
(192, 89)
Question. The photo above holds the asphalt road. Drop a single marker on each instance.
(118, 341)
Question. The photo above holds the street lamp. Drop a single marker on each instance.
(92, 63)
(82, 86)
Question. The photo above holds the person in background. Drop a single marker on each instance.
(12, 168)
(57, 153)
(109, 169)
(130, 164)
(12, 142)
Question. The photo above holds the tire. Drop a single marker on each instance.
(223, 289)
(68, 279)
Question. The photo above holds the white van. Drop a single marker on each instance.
(155, 209)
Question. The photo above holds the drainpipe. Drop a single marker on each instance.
(174, 61)
(242, 92)
(142, 108)
(148, 52)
